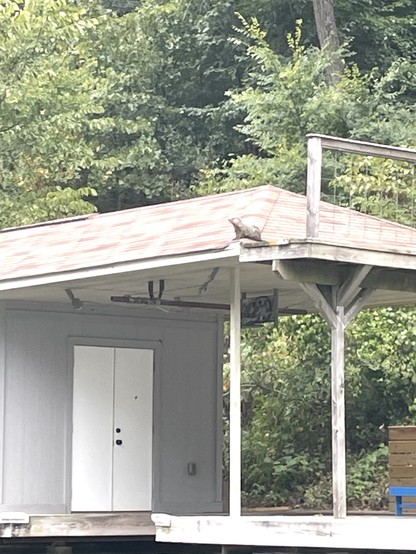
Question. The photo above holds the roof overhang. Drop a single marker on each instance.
(264, 269)
(329, 251)
(228, 256)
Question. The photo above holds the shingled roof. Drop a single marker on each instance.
(186, 227)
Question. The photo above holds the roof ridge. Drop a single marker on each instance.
(193, 199)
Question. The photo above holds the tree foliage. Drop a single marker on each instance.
(129, 106)
(287, 98)
(48, 92)
(174, 64)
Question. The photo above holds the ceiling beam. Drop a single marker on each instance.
(308, 271)
(388, 279)
(361, 276)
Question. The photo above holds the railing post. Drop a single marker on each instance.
(313, 186)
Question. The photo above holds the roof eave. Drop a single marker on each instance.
(226, 256)
(329, 251)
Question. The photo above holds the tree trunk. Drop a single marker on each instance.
(326, 28)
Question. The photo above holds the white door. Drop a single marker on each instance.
(112, 429)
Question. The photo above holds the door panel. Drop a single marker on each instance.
(113, 390)
(132, 476)
(92, 428)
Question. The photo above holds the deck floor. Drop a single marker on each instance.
(119, 524)
(289, 528)
(378, 532)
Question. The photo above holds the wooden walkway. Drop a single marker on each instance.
(369, 532)
(112, 524)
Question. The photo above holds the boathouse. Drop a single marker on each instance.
(111, 349)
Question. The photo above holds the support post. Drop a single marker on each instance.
(235, 393)
(313, 186)
(332, 308)
(339, 486)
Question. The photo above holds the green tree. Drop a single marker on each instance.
(173, 64)
(49, 91)
(287, 98)
(284, 100)
(379, 32)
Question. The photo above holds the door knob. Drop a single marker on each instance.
(118, 442)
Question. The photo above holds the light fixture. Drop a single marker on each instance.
(77, 303)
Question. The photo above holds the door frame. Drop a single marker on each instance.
(156, 346)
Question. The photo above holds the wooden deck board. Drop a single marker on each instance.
(118, 524)
(353, 532)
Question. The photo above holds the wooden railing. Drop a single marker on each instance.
(317, 144)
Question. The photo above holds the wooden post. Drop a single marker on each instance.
(235, 393)
(313, 186)
(339, 486)
(350, 294)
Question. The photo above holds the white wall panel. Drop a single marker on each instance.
(36, 396)
(38, 405)
(190, 391)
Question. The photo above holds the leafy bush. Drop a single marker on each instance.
(367, 483)
(286, 445)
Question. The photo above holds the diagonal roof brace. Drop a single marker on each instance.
(352, 285)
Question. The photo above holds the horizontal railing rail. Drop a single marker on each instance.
(317, 144)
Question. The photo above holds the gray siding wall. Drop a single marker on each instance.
(36, 388)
